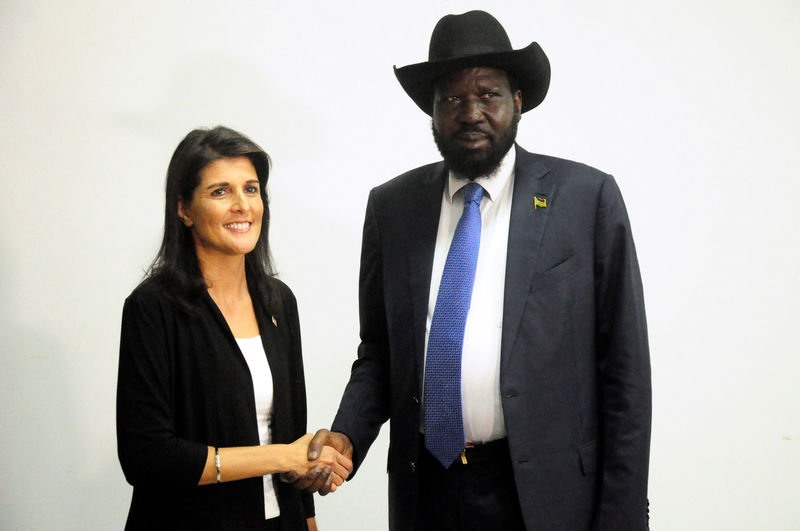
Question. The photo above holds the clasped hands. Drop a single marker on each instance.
(328, 462)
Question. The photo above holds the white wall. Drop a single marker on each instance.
(692, 105)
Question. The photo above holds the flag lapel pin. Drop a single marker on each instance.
(539, 202)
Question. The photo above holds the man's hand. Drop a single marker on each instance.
(329, 463)
(319, 478)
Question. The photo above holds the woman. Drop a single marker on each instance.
(211, 386)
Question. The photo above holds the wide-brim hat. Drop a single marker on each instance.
(475, 39)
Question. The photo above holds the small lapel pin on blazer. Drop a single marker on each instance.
(539, 202)
(274, 322)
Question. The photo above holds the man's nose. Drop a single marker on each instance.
(470, 111)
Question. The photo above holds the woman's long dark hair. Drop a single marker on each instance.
(176, 269)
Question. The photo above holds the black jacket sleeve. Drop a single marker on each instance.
(624, 369)
(149, 450)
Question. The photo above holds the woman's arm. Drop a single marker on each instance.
(150, 450)
(254, 461)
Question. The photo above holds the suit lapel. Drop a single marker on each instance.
(423, 227)
(524, 240)
(275, 350)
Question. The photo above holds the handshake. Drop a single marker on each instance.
(324, 462)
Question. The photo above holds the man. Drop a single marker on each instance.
(502, 320)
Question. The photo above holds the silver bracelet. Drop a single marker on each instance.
(216, 458)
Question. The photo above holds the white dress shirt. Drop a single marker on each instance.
(480, 360)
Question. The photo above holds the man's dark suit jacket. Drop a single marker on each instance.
(575, 369)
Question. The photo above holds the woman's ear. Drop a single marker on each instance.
(183, 213)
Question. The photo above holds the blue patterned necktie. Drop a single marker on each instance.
(444, 425)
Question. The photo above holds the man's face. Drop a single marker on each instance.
(475, 118)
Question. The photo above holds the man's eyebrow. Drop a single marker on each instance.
(490, 86)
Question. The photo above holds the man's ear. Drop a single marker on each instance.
(183, 213)
(518, 102)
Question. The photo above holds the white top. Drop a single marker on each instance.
(480, 360)
(253, 352)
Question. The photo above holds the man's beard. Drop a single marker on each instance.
(473, 163)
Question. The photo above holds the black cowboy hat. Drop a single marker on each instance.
(473, 39)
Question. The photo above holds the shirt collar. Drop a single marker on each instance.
(493, 184)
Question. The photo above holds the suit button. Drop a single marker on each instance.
(413, 466)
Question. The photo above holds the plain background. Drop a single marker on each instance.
(693, 106)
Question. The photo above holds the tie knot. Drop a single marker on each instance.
(473, 193)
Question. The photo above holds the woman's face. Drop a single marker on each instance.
(225, 210)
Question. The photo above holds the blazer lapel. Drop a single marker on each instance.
(275, 349)
(528, 222)
(423, 227)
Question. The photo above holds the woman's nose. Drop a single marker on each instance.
(240, 202)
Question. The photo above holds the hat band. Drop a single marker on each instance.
(459, 52)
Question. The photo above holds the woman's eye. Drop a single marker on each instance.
(218, 192)
(251, 189)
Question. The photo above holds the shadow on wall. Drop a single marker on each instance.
(39, 439)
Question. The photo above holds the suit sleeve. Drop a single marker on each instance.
(149, 450)
(365, 404)
(624, 370)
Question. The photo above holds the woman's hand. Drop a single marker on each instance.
(330, 462)
(331, 467)
(316, 480)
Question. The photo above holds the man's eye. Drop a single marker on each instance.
(487, 95)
